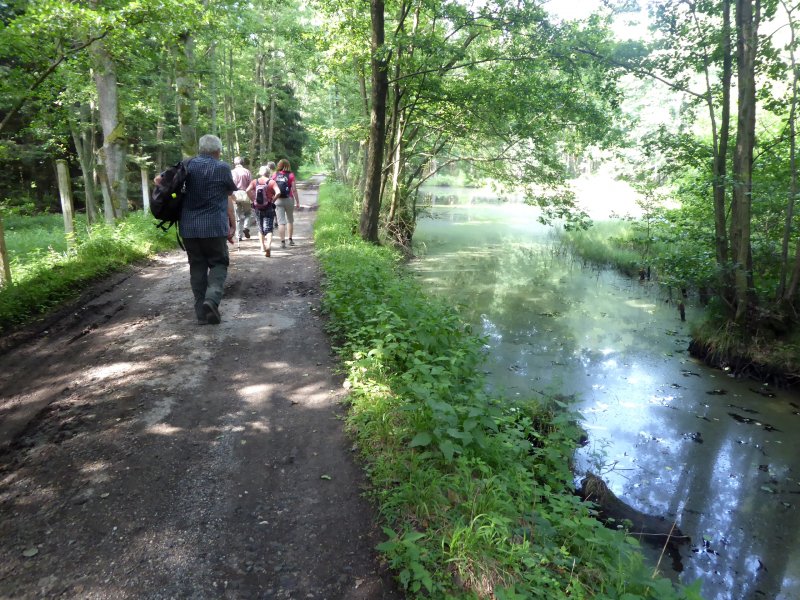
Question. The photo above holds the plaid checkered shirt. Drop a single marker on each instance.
(205, 206)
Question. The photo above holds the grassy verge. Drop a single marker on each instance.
(46, 271)
(474, 491)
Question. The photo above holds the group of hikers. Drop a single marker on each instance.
(217, 206)
(270, 196)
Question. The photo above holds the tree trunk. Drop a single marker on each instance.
(787, 229)
(791, 291)
(363, 147)
(105, 77)
(65, 195)
(262, 134)
(371, 207)
(145, 189)
(186, 102)
(397, 162)
(5, 268)
(160, 159)
(212, 113)
(721, 156)
(108, 205)
(253, 129)
(746, 26)
(230, 123)
(271, 125)
(82, 136)
(256, 140)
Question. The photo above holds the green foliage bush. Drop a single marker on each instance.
(475, 491)
(46, 270)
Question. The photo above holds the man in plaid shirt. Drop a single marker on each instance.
(206, 225)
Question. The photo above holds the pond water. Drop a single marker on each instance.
(670, 436)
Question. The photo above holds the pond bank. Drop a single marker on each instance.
(770, 368)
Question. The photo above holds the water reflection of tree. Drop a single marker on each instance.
(717, 499)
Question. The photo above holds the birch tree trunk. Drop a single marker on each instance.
(105, 78)
(145, 189)
(65, 195)
(82, 135)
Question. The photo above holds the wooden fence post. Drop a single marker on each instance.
(5, 271)
(65, 192)
(145, 189)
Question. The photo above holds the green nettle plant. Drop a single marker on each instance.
(475, 491)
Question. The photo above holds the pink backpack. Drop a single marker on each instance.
(264, 193)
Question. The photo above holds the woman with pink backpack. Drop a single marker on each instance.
(262, 192)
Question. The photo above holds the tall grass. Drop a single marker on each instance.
(474, 491)
(46, 270)
(607, 243)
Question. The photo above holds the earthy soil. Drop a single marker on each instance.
(145, 456)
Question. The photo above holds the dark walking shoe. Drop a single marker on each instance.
(283, 243)
(291, 242)
(246, 233)
(212, 312)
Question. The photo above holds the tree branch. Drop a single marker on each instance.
(49, 71)
(640, 71)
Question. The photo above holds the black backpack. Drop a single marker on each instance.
(282, 179)
(167, 198)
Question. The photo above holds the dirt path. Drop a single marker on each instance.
(145, 456)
